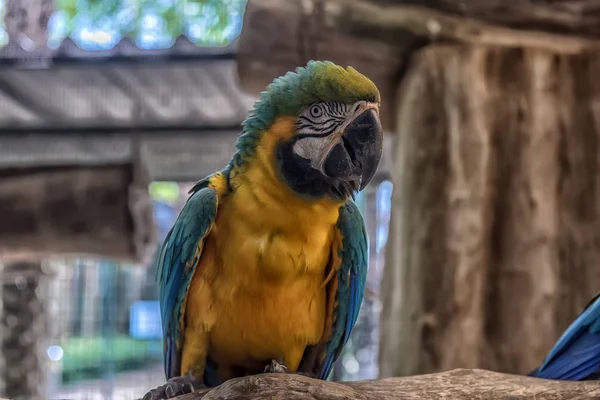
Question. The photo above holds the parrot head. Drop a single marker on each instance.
(335, 143)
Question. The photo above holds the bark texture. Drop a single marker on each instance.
(572, 17)
(103, 211)
(494, 242)
(378, 37)
(457, 384)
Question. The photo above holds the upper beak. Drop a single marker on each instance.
(356, 159)
(363, 140)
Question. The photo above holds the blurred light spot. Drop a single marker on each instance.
(48, 268)
(55, 353)
(57, 28)
(376, 307)
(167, 192)
(148, 38)
(150, 21)
(26, 43)
(363, 355)
(3, 37)
(433, 27)
(351, 365)
(20, 282)
(191, 9)
(100, 37)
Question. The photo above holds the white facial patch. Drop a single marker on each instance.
(311, 148)
(318, 130)
(320, 126)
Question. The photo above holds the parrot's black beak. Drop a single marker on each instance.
(357, 158)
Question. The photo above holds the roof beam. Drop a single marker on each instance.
(97, 210)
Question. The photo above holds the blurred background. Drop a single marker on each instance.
(104, 72)
(483, 217)
(98, 321)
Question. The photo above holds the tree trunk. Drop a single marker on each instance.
(496, 222)
(27, 22)
(23, 327)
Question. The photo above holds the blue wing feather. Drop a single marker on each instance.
(576, 355)
(176, 265)
(352, 276)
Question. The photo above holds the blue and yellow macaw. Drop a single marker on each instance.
(576, 355)
(265, 267)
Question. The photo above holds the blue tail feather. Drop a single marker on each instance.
(576, 355)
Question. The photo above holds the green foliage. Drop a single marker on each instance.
(204, 22)
(167, 192)
(88, 357)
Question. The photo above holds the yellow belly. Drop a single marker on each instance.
(258, 293)
(265, 321)
(259, 290)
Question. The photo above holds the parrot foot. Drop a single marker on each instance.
(175, 386)
(275, 367)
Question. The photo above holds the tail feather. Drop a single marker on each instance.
(576, 355)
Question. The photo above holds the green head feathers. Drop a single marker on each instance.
(288, 95)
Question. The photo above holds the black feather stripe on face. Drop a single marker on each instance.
(316, 161)
(321, 119)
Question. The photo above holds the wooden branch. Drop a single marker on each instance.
(573, 17)
(455, 384)
(104, 211)
(386, 23)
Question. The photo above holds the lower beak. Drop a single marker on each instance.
(357, 158)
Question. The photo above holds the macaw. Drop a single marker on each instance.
(264, 269)
(576, 355)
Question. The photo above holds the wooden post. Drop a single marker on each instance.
(492, 253)
(27, 22)
(493, 248)
(23, 328)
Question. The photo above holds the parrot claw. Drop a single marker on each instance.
(175, 386)
(275, 367)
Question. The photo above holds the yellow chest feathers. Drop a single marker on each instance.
(268, 256)
(259, 290)
(275, 232)
(271, 242)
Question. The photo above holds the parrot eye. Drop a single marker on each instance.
(321, 119)
(316, 111)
